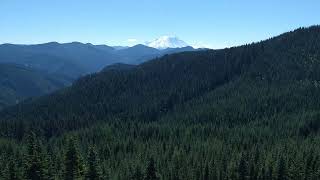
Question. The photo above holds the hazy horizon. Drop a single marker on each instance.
(201, 23)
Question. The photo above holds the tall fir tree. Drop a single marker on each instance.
(35, 167)
(137, 175)
(282, 174)
(93, 169)
(73, 166)
(11, 171)
(206, 173)
(151, 172)
(243, 168)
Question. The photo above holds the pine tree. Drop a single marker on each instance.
(214, 175)
(269, 172)
(281, 169)
(206, 173)
(223, 174)
(73, 164)
(94, 169)
(137, 174)
(295, 170)
(35, 166)
(11, 172)
(151, 173)
(176, 168)
(243, 168)
(262, 173)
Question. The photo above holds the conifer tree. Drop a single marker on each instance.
(269, 172)
(243, 168)
(137, 174)
(294, 170)
(11, 172)
(176, 161)
(281, 169)
(73, 164)
(94, 169)
(35, 166)
(206, 173)
(151, 172)
(213, 173)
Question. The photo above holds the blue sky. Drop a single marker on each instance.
(213, 23)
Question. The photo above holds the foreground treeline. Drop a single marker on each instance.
(155, 151)
(249, 113)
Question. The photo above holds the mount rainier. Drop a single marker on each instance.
(165, 42)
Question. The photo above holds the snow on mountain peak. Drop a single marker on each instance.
(167, 42)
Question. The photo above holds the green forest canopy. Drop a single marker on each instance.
(247, 112)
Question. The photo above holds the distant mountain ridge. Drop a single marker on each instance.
(76, 59)
(62, 62)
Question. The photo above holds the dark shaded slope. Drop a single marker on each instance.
(277, 94)
(18, 83)
(118, 67)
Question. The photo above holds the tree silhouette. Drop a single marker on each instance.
(151, 173)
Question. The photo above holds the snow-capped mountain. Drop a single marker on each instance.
(165, 42)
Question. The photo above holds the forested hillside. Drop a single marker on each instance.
(247, 112)
(19, 82)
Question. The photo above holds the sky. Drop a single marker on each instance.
(202, 23)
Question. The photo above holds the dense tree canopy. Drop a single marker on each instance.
(249, 113)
